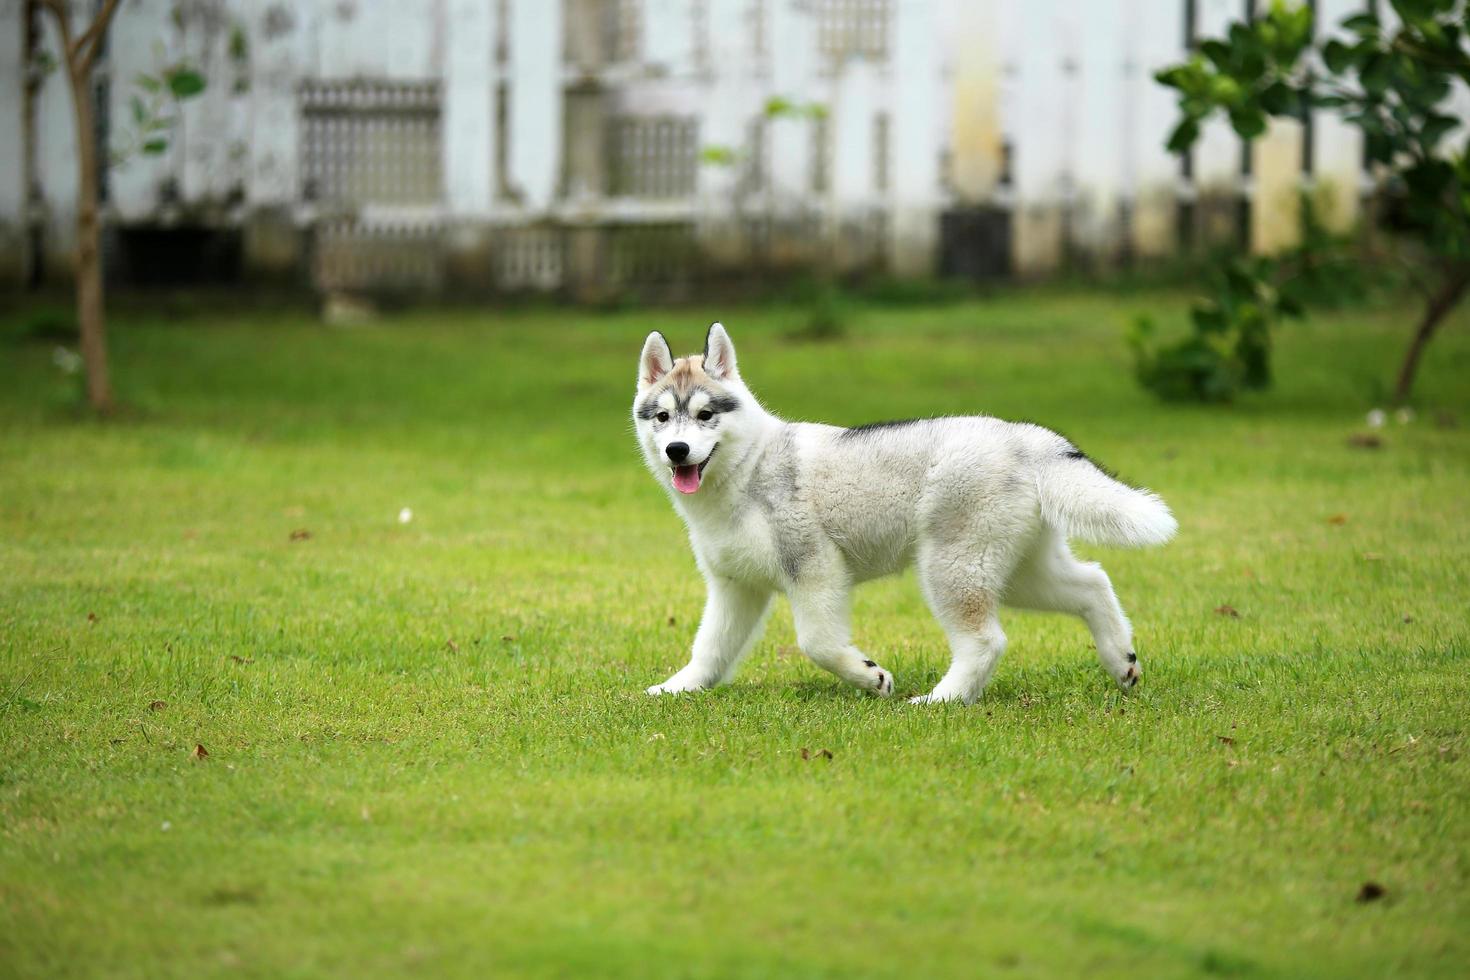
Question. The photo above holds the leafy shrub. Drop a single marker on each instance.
(1229, 348)
(1391, 81)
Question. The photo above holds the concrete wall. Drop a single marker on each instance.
(1045, 111)
(13, 258)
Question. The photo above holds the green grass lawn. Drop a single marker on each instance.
(429, 750)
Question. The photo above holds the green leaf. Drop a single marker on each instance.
(1376, 73)
(720, 156)
(185, 83)
(149, 83)
(1242, 37)
(1362, 24)
(1241, 282)
(777, 106)
(1175, 76)
(1429, 180)
(1208, 318)
(1378, 145)
(1184, 135)
(154, 147)
(1218, 52)
(1436, 128)
(1414, 10)
(1278, 99)
(1226, 90)
(239, 45)
(1248, 123)
(1338, 57)
(140, 112)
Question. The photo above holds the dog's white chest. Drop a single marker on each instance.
(743, 550)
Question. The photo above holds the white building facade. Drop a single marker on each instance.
(588, 146)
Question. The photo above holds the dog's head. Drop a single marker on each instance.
(689, 412)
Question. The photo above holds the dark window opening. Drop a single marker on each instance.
(188, 255)
(975, 243)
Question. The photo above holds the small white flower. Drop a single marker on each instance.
(405, 515)
(69, 361)
(1376, 418)
(1404, 416)
(167, 826)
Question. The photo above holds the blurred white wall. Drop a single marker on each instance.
(603, 124)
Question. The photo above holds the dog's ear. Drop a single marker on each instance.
(656, 361)
(719, 353)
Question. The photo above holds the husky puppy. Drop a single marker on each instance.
(983, 507)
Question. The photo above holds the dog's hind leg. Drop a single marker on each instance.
(1052, 579)
(733, 617)
(961, 591)
(824, 635)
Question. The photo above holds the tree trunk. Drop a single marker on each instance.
(34, 229)
(77, 57)
(90, 314)
(1441, 303)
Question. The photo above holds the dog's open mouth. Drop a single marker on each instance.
(688, 477)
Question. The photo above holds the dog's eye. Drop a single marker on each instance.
(706, 415)
(662, 416)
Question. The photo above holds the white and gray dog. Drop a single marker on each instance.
(982, 506)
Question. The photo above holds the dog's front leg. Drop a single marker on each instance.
(822, 632)
(733, 617)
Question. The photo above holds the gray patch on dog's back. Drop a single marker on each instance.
(876, 427)
(774, 489)
(1073, 453)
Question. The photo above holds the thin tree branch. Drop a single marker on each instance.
(91, 42)
(63, 24)
(1406, 43)
(1456, 279)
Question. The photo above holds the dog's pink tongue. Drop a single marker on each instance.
(686, 478)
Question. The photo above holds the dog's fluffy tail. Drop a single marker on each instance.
(1081, 501)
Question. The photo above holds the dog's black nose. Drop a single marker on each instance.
(678, 451)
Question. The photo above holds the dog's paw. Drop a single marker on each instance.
(941, 696)
(878, 680)
(676, 685)
(1129, 678)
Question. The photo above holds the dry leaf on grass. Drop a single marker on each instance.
(1226, 739)
(1230, 611)
(157, 705)
(1371, 891)
(1337, 520)
(1365, 440)
(300, 534)
(242, 660)
(200, 752)
(91, 617)
(453, 647)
